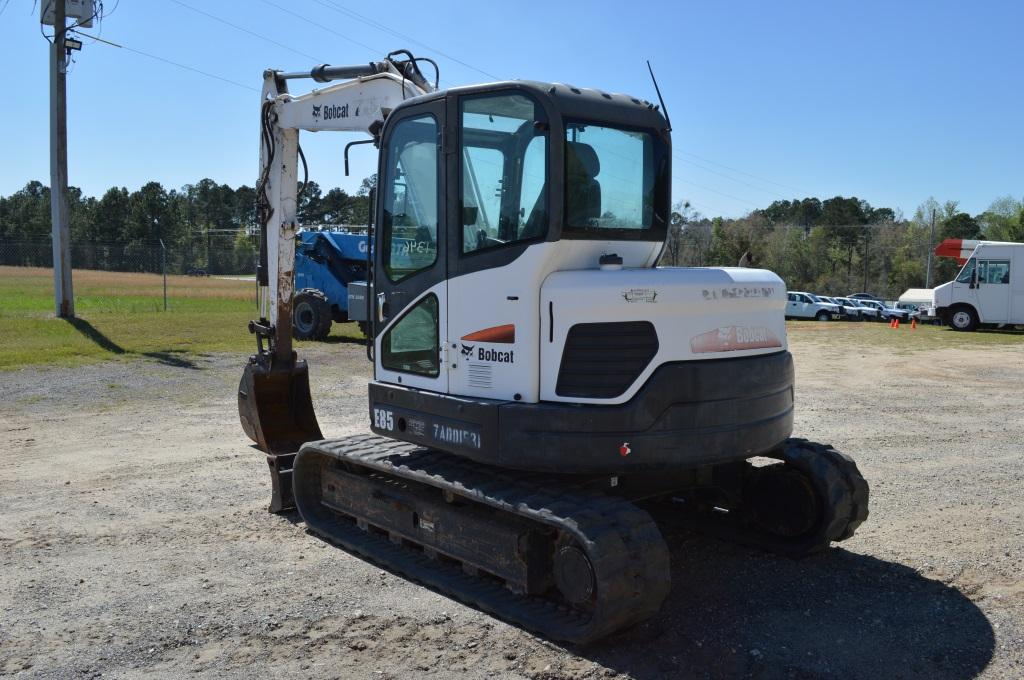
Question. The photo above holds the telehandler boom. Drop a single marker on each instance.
(546, 400)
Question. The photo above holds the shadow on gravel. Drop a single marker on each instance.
(171, 357)
(738, 613)
(91, 332)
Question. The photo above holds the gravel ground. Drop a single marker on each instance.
(135, 541)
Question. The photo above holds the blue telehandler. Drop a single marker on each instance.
(326, 263)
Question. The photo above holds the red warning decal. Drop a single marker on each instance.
(624, 450)
(734, 338)
(502, 334)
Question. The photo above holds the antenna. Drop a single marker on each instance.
(658, 90)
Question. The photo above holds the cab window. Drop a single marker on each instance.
(410, 217)
(503, 152)
(994, 271)
(411, 345)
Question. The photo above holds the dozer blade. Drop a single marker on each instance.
(276, 411)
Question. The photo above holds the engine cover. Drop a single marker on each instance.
(604, 332)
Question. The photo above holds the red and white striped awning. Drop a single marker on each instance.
(961, 249)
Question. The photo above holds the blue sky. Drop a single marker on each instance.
(890, 101)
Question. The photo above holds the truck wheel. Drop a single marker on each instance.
(311, 315)
(963, 318)
(822, 316)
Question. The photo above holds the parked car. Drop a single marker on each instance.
(806, 306)
(854, 311)
(197, 271)
(832, 301)
(847, 311)
(890, 313)
(865, 296)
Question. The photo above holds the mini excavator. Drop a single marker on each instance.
(546, 402)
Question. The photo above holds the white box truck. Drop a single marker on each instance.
(988, 290)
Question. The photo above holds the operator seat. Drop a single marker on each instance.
(583, 191)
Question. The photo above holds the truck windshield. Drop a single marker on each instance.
(966, 274)
(615, 181)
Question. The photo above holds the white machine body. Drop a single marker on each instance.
(698, 313)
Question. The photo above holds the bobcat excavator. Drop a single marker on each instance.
(546, 401)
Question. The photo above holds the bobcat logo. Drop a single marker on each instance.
(316, 112)
(467, 350)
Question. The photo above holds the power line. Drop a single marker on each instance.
(246, 30)
(748, 174)
(324, 28)
(378, 25)
(772, 192)
(331, 4)
(720, 193)
(172, 63)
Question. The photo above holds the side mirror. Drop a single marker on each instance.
(974, 279)
(470, 213)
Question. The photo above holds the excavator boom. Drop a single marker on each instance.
(274, 402)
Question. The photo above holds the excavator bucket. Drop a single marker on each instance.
(276, 410)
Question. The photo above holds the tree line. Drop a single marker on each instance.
(205, 225)
(839, 245)
(831, 246)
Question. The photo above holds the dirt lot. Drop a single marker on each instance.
(135, 540)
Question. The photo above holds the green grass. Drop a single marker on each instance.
(121, 315)
(848, 335)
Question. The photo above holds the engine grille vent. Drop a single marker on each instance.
(480, 376)
(601, 360)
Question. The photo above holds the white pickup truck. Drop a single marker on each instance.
(806, 306)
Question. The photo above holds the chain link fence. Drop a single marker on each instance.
(134, 257)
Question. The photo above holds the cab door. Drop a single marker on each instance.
(792, 305)
(409, 283)
(993, 290)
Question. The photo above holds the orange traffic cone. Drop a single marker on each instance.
(892, 322)
(896, 321)
(913, 324)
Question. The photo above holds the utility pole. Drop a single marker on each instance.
(867, 239)
(63, 295)
(931, 245)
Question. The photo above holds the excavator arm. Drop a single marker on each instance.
(274, 402)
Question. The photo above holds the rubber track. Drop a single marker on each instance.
(628, 555)
(843, 491)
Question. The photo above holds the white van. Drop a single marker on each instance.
(988, 290)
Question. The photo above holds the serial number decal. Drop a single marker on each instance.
(416, 427)
(633, 295)
(449, 434)
(737, 292)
